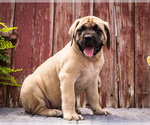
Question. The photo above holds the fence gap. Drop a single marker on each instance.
(134, 45)
(115, 25)
(54, 6)
(33, 39)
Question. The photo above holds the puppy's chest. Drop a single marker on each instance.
(87, 76)
(89, 72)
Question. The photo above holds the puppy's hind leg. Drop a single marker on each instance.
(43, 110)
(33, 101)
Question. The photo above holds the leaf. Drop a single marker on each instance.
(10, 84)
(3, 24)
(6, 71)
(6, 29)
(4, 58)
(8, 79)
(12, 79)
(5, 44)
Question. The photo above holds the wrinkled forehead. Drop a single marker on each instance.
(91, 22)
(88, 22)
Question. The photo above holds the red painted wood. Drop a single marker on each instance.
(7, 13)
(22, 57)
(6, 16)
(125, 39)
(108, 73)
(142, 51)
(83, 9)
(25, 13)
(62, 22)
(43, 31)
(42, 44)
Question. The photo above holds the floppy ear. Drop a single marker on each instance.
(72, 30)
(108, 34)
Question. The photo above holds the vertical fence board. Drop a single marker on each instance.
(142, 51)
(7, 17)
(23, 52)
(42, 45)
(125, 39)
(7, 13)
(108, 84)
(82, 9)
(62, 22)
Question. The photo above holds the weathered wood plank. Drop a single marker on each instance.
(7, 13)
(125, 39)
(62, 22)
(108, 73)
(22, 57)
(7, 17)
(142, 51)
(42, 45)
(83, 9)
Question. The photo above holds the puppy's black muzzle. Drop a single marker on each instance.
(90, 40)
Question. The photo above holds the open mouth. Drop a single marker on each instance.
(88, 51)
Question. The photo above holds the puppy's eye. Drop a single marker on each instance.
(79, 31)
(97, 30)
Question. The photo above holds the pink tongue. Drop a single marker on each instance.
(88, 51)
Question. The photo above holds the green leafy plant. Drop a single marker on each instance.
(5, 73)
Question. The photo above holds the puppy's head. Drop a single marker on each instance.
(90, 33)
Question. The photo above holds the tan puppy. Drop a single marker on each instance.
(70, 71)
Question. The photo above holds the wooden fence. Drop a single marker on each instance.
(43, 30)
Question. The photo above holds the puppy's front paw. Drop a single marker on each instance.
(74, 116)
(101, 112)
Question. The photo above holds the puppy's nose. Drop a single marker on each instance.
(88, 38)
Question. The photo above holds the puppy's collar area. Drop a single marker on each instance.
(96, 50)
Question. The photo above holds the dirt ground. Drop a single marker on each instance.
(122, 116)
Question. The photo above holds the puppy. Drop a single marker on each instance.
(70, 71)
